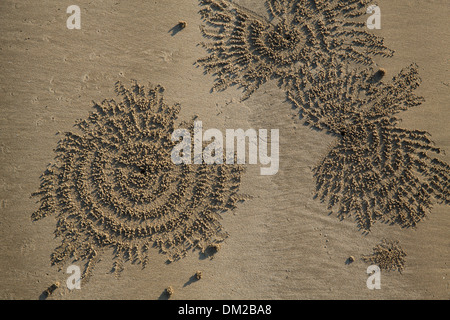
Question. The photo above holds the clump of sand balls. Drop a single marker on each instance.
(51, 289)
(169, 291)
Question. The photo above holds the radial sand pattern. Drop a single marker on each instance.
(388, 255)
(299, 37)
(376, 170)
(115, 186)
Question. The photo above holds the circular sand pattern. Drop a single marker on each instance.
(376, 170)
(115, 185)
(298, 39)
(388, 255)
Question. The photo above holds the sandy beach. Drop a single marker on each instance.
(98, 106)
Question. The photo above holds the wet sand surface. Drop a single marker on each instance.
(282, 243)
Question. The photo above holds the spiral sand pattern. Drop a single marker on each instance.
(114, 186)
(296, 40)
